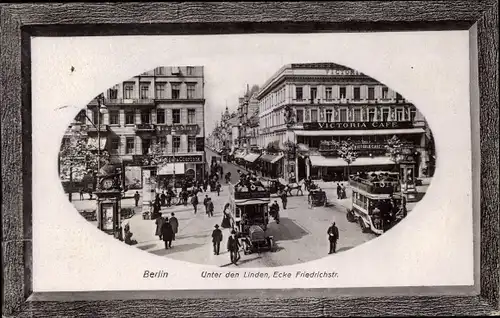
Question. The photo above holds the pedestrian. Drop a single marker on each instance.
(205, 203)
(194, 202)
(343, 193)
(233, 247)
(81, 194)
(163, 198)
(157, 199)
(159, 224)
(218, 186)
(216, 239)
(174, 223)
(333, 236)
(205, 185)
(136, 198)
(284, 199)
(156, 210)
(210, 208)
(339, 191)
(167, 233)
(128, 236)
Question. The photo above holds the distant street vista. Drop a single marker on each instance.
(316, 160)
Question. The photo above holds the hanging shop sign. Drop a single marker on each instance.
(358, 125)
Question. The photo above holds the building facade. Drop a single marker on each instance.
(330, 103)
(163, 107)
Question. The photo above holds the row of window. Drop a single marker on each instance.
(145, 115)
(344, 114)
(159, 93)
(278, 97)
(161, 70)
(147, 144)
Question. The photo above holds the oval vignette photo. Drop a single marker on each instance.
(314, 160)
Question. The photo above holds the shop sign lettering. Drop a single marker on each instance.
(358, 125)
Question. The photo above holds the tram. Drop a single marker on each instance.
(377, 201)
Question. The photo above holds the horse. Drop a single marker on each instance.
(295, 186)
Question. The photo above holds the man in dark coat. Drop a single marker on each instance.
(194, 202)
(284, 199)
(216, 239)
(174, 223)
(136, 198)
(233, 246)
(210, 207)
(167, 233)
(205, 203)
(339, 191)
(218, 186)
(333, 236)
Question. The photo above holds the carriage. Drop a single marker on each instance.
(317, 197)
(377, 201)
(248, 208)
(277, 186)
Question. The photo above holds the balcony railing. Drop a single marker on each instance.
(121, 101)
(100, 128)
(145, 127)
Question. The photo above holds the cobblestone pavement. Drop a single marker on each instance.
(300, 236)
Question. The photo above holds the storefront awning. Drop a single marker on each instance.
(251, 157)
(271, 158)
(168, 169)
(93, 141)
(321, 133)
(321, 161)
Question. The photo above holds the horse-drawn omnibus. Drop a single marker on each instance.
(248, 210)
(377, 202)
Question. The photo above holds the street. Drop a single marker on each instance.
(300, 237)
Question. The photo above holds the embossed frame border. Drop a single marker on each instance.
(19, 22)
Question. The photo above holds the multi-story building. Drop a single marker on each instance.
(164, 106)
(330, 102)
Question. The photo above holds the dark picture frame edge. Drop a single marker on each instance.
(19, 22)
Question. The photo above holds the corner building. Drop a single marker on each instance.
(165, 106)
(331, 102)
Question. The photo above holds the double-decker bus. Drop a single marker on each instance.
(377, 202)
(248, 208)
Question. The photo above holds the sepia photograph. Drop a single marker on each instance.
(296, 159)
(285, 166)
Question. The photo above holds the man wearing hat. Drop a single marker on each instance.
(333, 236)
(216, 239)
(233, 246)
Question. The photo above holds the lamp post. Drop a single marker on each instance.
(173, 149)
(101, 109)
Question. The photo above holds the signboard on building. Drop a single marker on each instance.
(191, 129)
(140, 160)
(358, 125)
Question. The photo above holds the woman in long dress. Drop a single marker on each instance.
(226, 222)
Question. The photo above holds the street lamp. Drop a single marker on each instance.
(173, 133)
(102, 109)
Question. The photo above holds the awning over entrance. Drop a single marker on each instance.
(93, 141)
(321, 161)
(251, 157)
(271, 158)
(359, 132)
(168, 169)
